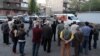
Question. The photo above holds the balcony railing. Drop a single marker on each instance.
(5, 6)
(12, 1)
(24, 8)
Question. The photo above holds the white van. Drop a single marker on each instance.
(68, 18)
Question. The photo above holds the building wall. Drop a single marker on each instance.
(9, 12)
(2, 12)
(55, 5)
(1, 4)
(13, 8)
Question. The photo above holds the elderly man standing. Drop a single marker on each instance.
(66, 37)
(74, 26)
(5, 29)
(59, 28)
(77, 41)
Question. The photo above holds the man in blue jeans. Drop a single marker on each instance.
(86, 32)
(21, 39)
(37, 32)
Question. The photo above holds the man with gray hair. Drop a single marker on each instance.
(66, 37)
(59, 28)
(74, 26)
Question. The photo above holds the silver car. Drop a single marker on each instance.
(3, 19)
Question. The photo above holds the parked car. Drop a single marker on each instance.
(3, 19)
(33, 17)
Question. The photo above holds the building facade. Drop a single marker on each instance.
(70, 4)
(55, 5)
(12, 7)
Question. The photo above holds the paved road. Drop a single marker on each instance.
(7, 50)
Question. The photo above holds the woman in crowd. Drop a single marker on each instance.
(21, 39)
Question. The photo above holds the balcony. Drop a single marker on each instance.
(11, 1)
(24, 8)
(11, 7)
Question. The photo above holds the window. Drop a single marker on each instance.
(69, 18)
(17, 5)
(25, 0)
(3, 17)
(24, 5)
(72, 18)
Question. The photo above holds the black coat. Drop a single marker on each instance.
(47, 32)
(54, 25)
(5, 28)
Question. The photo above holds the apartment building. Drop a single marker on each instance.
(13, 7)
(56, 6)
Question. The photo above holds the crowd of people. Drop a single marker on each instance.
(43, 31)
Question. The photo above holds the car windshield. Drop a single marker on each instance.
(33, 17)
(72, 18)
(2, 17)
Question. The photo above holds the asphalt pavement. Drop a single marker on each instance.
(6, 50)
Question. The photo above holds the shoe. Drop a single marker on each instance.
(48, 51)
(44, 49)
(7, 43)
(94, 47)
(54, 40)
(14, 51)
(22, 55)
(90, 49)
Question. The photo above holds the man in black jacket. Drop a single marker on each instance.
(90, 36)
(5, 29)
(54, 25)
(47, 37)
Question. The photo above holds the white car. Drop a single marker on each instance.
(69, 18)
(3, 19)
